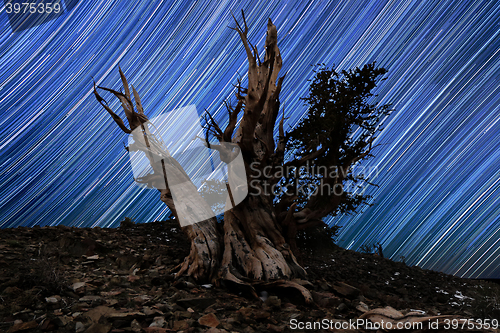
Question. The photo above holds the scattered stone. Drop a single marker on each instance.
(362, 307)
(78, 287)
(62, 321)
(91, 299)
(180, 325)
(141, 299)
(346, 290)
(216, 330)
(151, 312)
(23, 326)
(158, 322)
(53, 299)
(273, 302)
(274, 328)
(125, 315)
(79, 327)
(326, 299)
(47, 325)
(200, 303)
(101, 311)
(126, 295)
(209, 320)
(133, 278)
(98, 328)
(156, 330)
(136, 327)
(342, 307)
(182, 314)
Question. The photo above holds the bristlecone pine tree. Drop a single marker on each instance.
(257, 244)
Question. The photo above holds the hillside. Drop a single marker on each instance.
(65, 279)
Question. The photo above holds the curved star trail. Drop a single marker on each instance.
(438, 201)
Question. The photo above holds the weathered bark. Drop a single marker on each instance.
(254, 247)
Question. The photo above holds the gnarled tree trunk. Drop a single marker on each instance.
(258, 234)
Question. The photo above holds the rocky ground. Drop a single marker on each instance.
(65, 279)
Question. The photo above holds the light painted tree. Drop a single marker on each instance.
(257, 244)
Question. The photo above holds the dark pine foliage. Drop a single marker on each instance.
(341, 123)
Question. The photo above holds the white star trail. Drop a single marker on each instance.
(438, 202)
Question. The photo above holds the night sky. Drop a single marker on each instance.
(62, 159)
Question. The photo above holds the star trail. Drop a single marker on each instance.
(437, 204)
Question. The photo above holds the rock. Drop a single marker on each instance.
(47, 325)
(151, 312)
(126, 261)
(96, 313)
(23, 326)
(53, 299)
(125, 315)
(182, 314)
(252, 313)
(346, 290)
(248, 329)
(323, 285)
(62, 321)
(273, 302)
(342, 307)
(180, 325)
(136, 327)
(78, 287)
(98, 328)
(200, 303)
(362, 307)
(184, 285)
(79, 327)
(326, 299)
(209, 320)
(158, 322)
(133, 278)
(91, 299)
(274, 328)
(216, 330)
(80, 246)
(12, 291)
(156, 330)
(141, 299)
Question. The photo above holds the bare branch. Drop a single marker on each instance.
(115, 117)
(125, 83)
(138, 103)
(233, 119)
(303, 160)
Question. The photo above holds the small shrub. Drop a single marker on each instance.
(317, 239)
(127, 223)
(487, 305)
(42, 273)
(375, 248)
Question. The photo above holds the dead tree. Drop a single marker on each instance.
(257, 243)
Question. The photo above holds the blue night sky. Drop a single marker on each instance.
(62, 159)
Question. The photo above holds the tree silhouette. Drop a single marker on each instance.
(257, 243)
